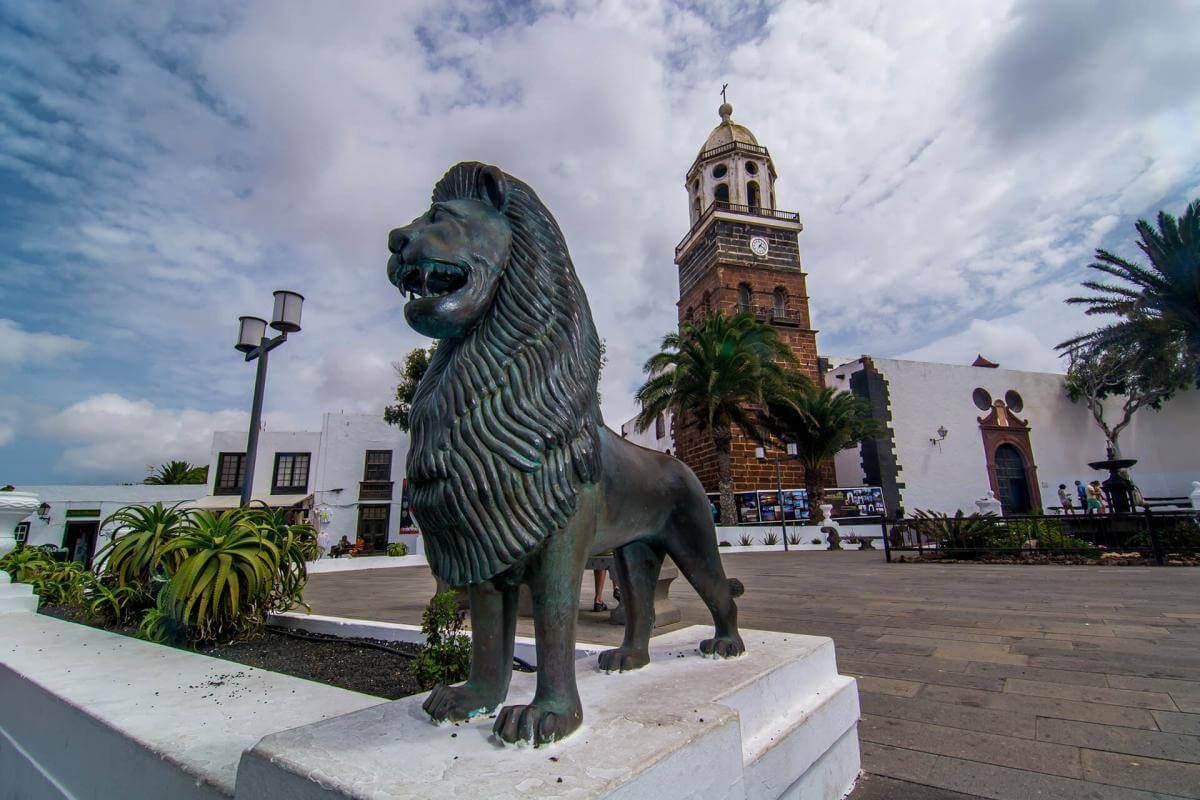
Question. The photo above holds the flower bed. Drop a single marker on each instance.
(361, 665)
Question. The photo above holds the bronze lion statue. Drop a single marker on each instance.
(513, 477)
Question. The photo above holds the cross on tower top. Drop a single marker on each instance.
(724, 86)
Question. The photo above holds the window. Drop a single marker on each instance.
(696, 209)
(378, 466)
(752, 197)
(743, 297)
(706, 303)
(660, 427)
(1013, 401)
(719, 171)
(780, 301)
(22, 532)
(981, 399)
(751, 168)
(721, 195)
(231, 473)
(291, 473)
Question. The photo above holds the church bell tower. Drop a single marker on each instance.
(741, 254)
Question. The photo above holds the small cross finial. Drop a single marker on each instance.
(724, 86)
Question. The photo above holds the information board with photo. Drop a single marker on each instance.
(859, 501)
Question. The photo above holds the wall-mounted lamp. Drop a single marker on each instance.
(43, 512)
(941, 435)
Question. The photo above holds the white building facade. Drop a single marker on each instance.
(71, 516)
(348, 477)
(953, 432)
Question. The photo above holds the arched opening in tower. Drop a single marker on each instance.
(752, 196)
(721, 195)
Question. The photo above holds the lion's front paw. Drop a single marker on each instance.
(458, 703)
(623, 660)
(723, 646)
(536, 724)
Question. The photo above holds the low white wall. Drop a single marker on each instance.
(734, 533)
(85, 713)
(347, 627)
(364, 562)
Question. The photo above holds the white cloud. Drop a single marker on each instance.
(111, 437)
(19, 348)
(945, 183)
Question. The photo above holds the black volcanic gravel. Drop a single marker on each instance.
(336, 662)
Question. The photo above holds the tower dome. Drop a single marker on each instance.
(728, 131)
(731, 169)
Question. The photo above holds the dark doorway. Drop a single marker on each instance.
(1015, 497)
(373, 527)
(752, 197)
(80, 541)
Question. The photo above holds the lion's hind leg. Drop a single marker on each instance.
(637, 565)
(691, 542)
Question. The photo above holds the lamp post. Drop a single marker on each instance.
(761, 453)
(254, 343)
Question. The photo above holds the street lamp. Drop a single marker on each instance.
(761, 454)
(254, 343)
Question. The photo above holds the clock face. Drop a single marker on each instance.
(758, 246)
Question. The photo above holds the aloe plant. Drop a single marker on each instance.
(134, 556)
(226, 576)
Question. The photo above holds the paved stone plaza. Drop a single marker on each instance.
(976, 681)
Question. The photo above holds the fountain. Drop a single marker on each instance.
(1118, 487)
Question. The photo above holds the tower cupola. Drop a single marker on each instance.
(732, 170)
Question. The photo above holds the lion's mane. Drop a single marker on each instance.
(505, 422)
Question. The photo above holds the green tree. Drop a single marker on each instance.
(719, 374)
(176, 472)
(1141, 372)
(1159, 301)
(410, 374)
(821, 422)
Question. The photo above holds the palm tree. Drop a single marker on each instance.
(176, 472)
(716, 373)
(821, 422)
(1164, 299)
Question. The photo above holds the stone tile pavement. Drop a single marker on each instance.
(976, 681)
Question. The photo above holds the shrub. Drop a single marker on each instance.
(397, 549)
(134, 556)
(771, 539)
(22, 563)
(296, 544)
(794, 538)
(226, 577)
(446, 656)
(745, 540)
(117, 605)
(960, 536)
(722, 544)
(815, 540)
(64, 583)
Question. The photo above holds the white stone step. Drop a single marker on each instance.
(779, 722)
(17, 597)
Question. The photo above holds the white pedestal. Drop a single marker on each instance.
(16, 596)
(778, 722)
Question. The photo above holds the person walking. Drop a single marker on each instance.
(1081, 491)
(1064, 498)
(1095, 505)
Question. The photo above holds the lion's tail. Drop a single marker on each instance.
(736, 587)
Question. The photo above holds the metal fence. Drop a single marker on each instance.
(1156, 535)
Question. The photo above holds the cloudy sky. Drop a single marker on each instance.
(163, 169)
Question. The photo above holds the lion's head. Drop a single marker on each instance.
(505, 422)
(451, 258)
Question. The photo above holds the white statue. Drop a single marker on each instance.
(829, 527)
(988, 504)
(1195, 495)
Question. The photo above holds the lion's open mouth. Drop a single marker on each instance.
(432, 278)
